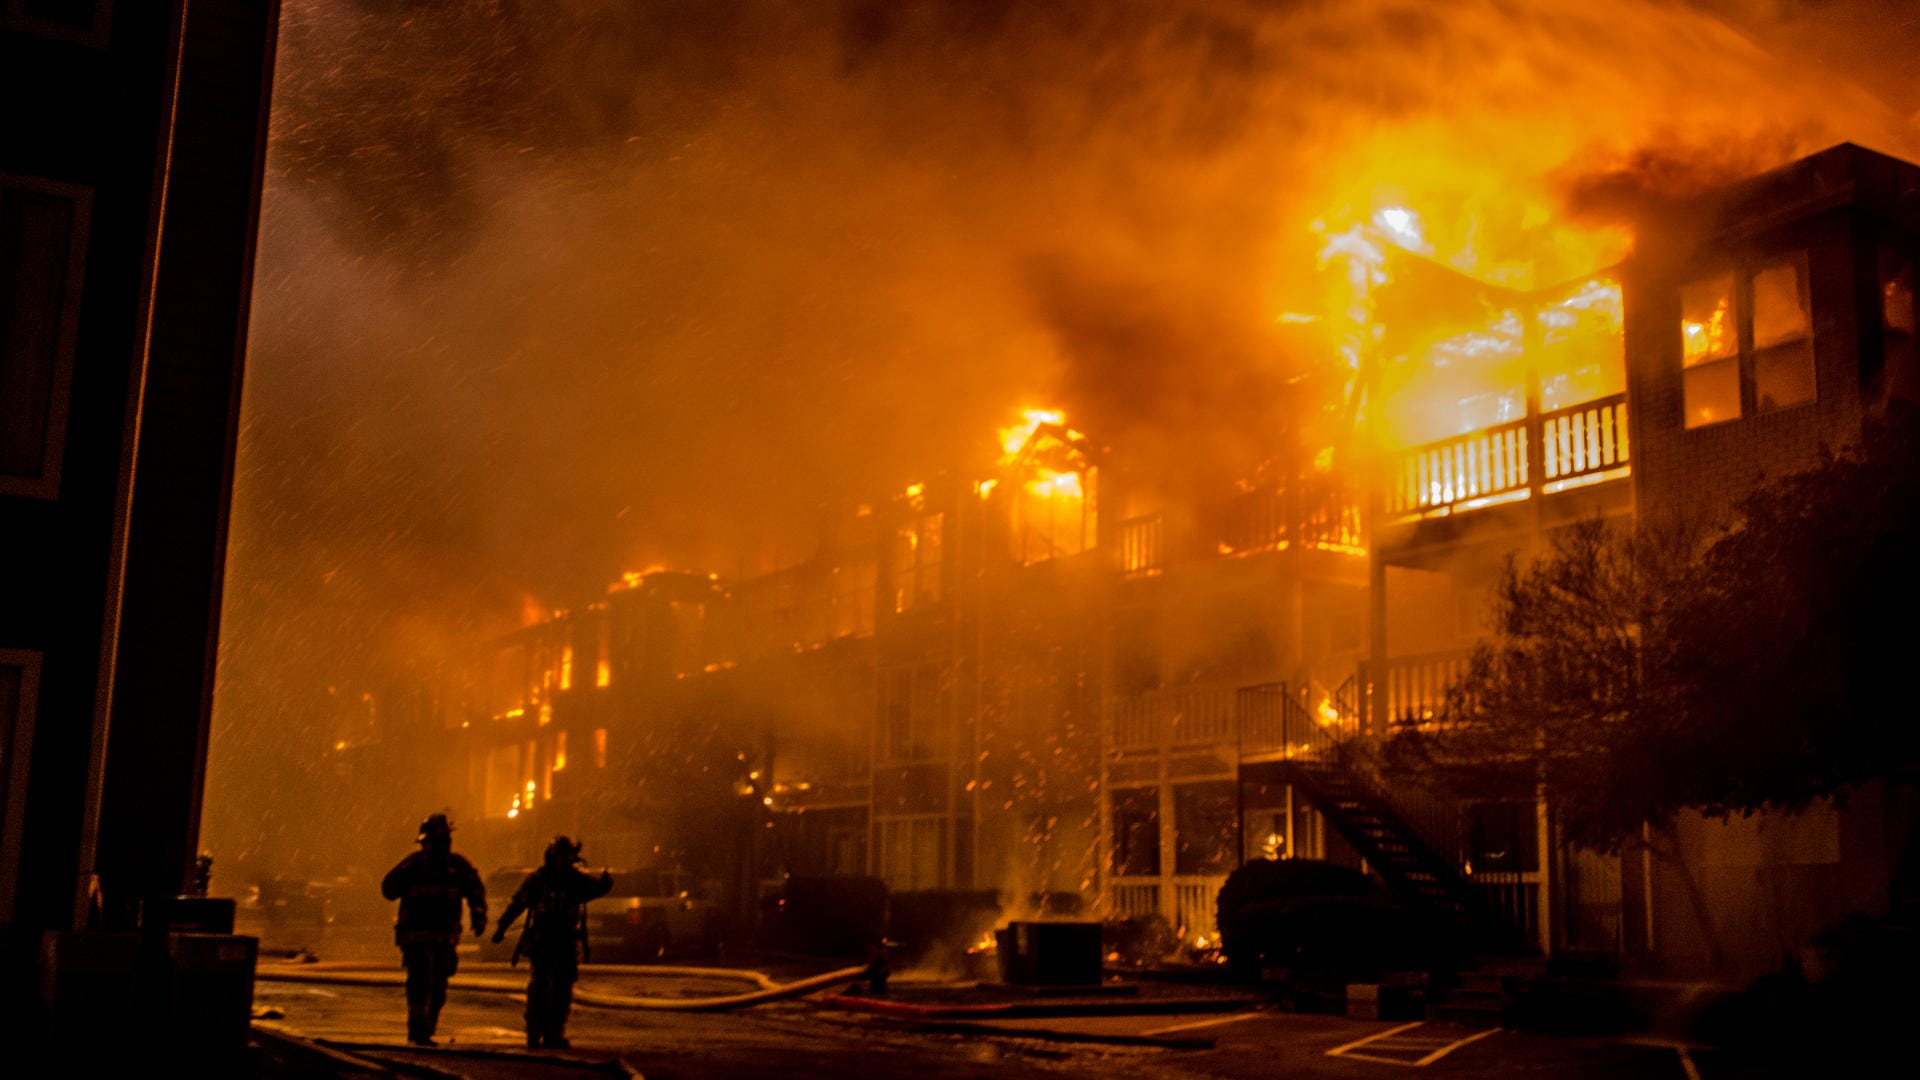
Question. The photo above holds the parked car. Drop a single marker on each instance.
(648, 915)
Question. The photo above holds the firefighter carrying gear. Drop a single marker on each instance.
(554, 940)
(431, 885)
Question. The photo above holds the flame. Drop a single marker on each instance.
(1014, 439)
(987, 944)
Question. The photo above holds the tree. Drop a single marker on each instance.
(1635, 673)
(1576, 681)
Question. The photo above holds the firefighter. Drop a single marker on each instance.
(555, 938)
(431, 884)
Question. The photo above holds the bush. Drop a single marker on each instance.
(1138, 941)
(1247, 900)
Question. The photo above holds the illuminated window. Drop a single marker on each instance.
(916, 562)
(1759, 322)
(1054, 514)
(603, 668)
(1709, 351)
(599, 748)
(1897, 323)
(566, 668)
(559, 751)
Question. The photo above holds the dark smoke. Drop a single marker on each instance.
(552, 289)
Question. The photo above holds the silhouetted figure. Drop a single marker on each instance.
(431, 884)
(555, 939)
(878, 968)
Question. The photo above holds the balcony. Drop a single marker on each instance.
(1260, 721)
(1541, 454)
(1416, 686)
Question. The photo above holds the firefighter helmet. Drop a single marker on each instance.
(436, 827)
(563, 852)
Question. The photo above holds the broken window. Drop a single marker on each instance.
(1709, 351)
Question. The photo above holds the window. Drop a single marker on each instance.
(599, 748)
(916, 562)
(1136, 832)
(1897, 323)
(911, 701)
(1503, 837)
(1759, 320)
(1709, 351)
(1204, 828)
(1782, 335)
(910, 852)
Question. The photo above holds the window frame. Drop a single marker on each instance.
(1746, 356)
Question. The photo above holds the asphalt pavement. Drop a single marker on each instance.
(481, 1036)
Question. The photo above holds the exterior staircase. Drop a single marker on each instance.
(1365, 818)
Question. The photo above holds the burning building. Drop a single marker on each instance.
(1087, 681)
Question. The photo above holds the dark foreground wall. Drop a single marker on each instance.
(130, 163)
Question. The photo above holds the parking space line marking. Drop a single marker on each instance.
(1214, 1022)
(1686, 1062)
(1450, 1048)
(1377, 1036)
(1392, 1040)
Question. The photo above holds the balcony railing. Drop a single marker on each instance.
(1583, 444)
(1141, 552)
(1329, 517)
(1480, 468)
(1586, 441)
(1203, 715)
(1416, 686)
(1253, 521)
(1277, 722)
(1262, 721)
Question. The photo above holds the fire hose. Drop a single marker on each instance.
(768, 989)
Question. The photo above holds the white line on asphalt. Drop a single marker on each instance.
(1686, 1062)
(1215, 1022)
(1442, 1048)
(1445, 1050)
(1358, 1043)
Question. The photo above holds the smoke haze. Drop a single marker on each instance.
(551, 290)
